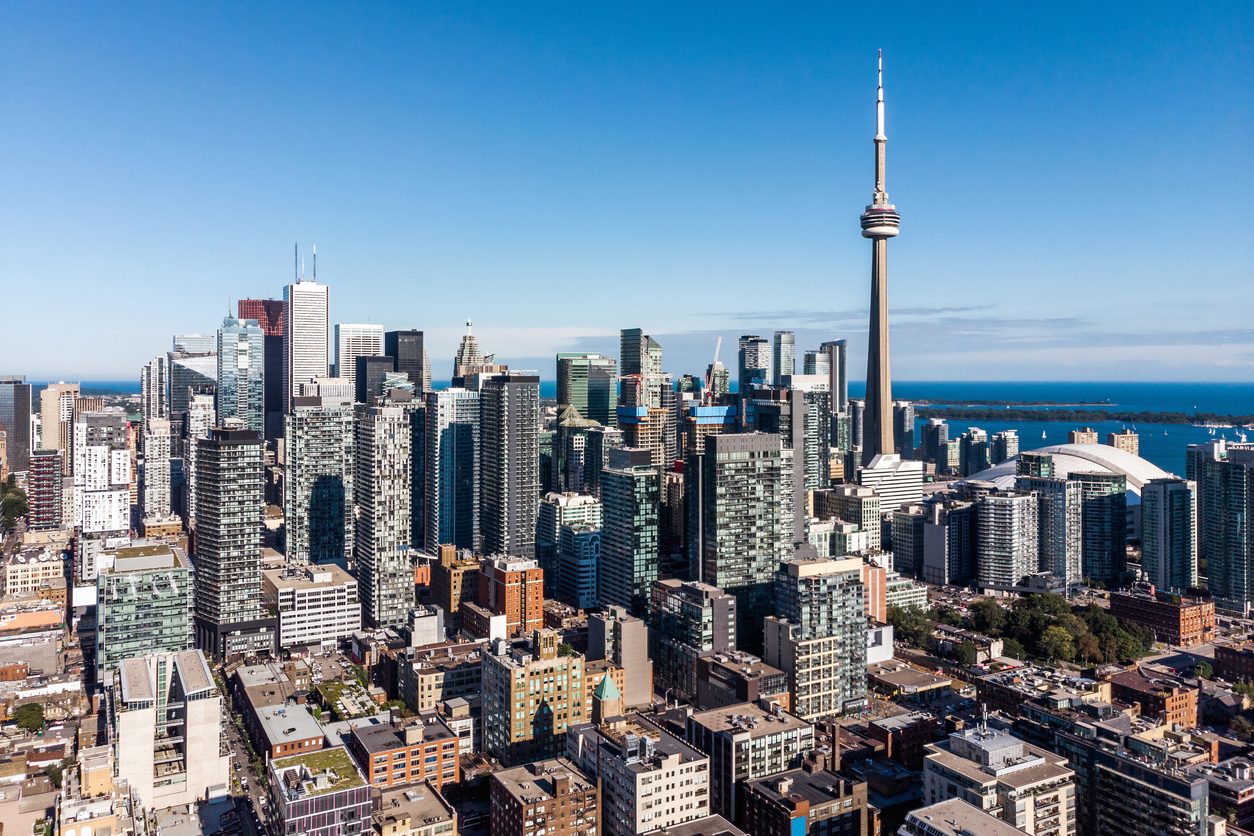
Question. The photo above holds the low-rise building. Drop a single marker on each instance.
(392, 754)
(315, 604)
(1163, 697)
(1231, 785)
(32, 569)
(738, 677)
(552, 796)
(954, 817)
(288, 729)
(428, 676)
(1181, 620)
(418, 810)
(811, 800)
(319, 793)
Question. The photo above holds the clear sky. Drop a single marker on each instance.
(1076, 182)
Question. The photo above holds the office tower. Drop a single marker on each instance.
(513, 587)
(857, 420)
(818, 634)
(631, 502)
(189, 373)
(598, 441)
(193, 343)
(623, 640)
(1169, 533)
(835, 352)
(717, 382)
(313, 605)
(1059, 521)
(1007, 539)
(469, 356)
(269, 315)
(552, 791)
(163, 714)
(568, 470)
(817, 361)
(241, 393)
(1003, 446)
(687, 619)
(1104, 522)
(798, 418)
(588, 382)
(740, 502)
(198, 419)
(898, 481)
(903, 429)
(557, 510)
(1125, 440)
(56, 414)
(102, 477)
(907, 539)
(509, 489)
(524, 716)
(1026, 786)
(973, 451)
(935, 442)
(306, 329)
(370, 378)
(15, 407)
(746, 742)
(451, 501)
(382, 492)
(318, 480)
(229, 516)
(880, 222)
(45, 503)
(949, 543)
(578, 565)
(812, 400)
(353, 340)
(156, 473)
(783, 357)
(144, 604)
(409, 355)
(753, 363)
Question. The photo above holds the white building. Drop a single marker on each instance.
(353, 340)
(1007, 542)
(383, 496)
(156, 472)
(306, 330)
(165, 725)
(898, 481)
(200, 417)
(316, 605)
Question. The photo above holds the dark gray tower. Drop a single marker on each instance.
(879, 223)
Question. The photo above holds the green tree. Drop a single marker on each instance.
(910, 625)
(947, 615)
(1056, 643)
(1088, 649)
(1242, 728)
(1204, 669)
(29, 717)
(1012, 648)
(13, 507)
(988, 617)
(966, 653)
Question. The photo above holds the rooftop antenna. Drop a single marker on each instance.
(315, 262)
(296, 261)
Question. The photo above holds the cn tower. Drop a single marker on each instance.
(879, 223)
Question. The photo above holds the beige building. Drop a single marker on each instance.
(316, 604)
(622, 639)
(1025, 786)
(853, 504)
(531, 695)
(56, 415)
(417, 810)
(1125, 440)
(33, 569)
(1088, 435)
(432, 675)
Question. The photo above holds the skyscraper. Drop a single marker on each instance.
(409, 355)
(468, 357)
(587, 382)
(630, 498)
(269, 316)
(838, 373)
(44, 490)
(229, 517)
(903, 429)
(783, 357)
(306, 327)
(241, 393)
(1059, 519)
(1224, 474)
(156, 472)
(558, 510)
(353, 340)
(102, 478)
(641, 355)
(382, 492)
(188, 374)
(1007, 538)
(451, 485)
(509, 490)
(880, 222)
(56, 413)
(198, 419)
(318, 481)
(1169, 533)
(753, 362)
(15, 405)
(1104, 525)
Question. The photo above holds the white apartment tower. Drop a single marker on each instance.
(383, 497)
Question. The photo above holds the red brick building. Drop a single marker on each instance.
(1175, 619)
(390, 755)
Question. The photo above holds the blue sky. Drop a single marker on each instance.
(1076, 187)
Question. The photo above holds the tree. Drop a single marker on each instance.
(29, 717)
(13, 506)
(1242, 728)
(1056, 643)
(966, 653)
(947, 615)
(988, 617)
(1087, 648)
(910, 625)
(1012, 648)
(1204, 670)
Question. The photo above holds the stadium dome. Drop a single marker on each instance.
(1080, 458)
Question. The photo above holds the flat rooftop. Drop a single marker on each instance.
(956, 817)
(818, 787)
(288, 724)
(297, 773)
(421, 803)
(387, 736)
(747, 717)
(534, 782)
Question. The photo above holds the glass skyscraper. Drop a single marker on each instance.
(630, 498)
(241, 393)
(587, 382)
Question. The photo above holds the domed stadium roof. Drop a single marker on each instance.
(1081, 458)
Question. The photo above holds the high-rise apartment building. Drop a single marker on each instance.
(15, 412)
(687, 619)
(382, 493)
(753, 363)
(557, 510)
(903, 429)
(531, 696)
(44, 486)
(409, 355)
(1007, 537)
(509, 488)
(241, 393)
(898, 481)
(1059, 525)
(783, 357)
(189, 374)
(1104, 522)
(949, 543)
(56, 412)
(973, 452)
(144, 605)
(588, 382)
(154, 389)
(198, 419)
(818, 636)
(631, 503)
(164, 719)
(578, 565)
(1169, 533)
(741, 522)
(229, 515)
(102, 477)
(451, 489)
(306, 330)
(1088, 435)
(155, 477)
(1126, 440)
(838, 374)
(934, 442)
(318, 480)
(1224, 474)
(855, 504)
(514, 588)
(269, 315)
(1003, 446)
(353, 340)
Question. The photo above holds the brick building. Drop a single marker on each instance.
(1160, 696)
(1180, 620)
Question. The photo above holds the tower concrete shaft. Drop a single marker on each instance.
(880, 222)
